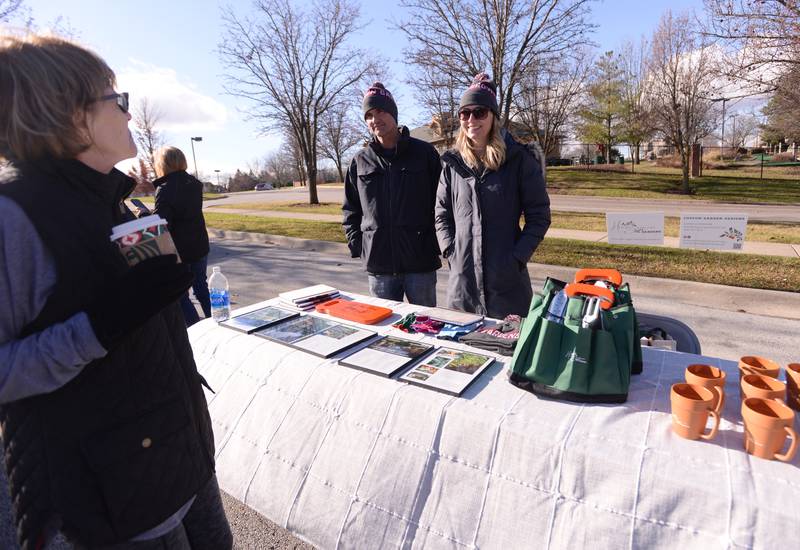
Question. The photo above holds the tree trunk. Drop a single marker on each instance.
(311, 170)
(684, 171)
(338, 163)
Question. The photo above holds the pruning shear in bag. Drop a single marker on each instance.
(591, 313)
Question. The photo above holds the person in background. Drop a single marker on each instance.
(179, 200)
(389, 193)
(105, 425)
(488, 181)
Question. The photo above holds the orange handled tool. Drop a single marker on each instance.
(580, 289)
(611, 275)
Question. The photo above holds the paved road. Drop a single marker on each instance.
(570, 203)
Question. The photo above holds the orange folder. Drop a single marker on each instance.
(354, 311)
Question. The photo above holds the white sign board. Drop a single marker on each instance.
(714, 231)
(644, 228)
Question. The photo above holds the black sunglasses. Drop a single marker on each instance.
(478, 113)
(122, 100)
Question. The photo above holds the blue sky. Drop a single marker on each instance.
(165, 50)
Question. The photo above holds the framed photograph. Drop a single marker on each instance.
(315, 335)
(387, 355)
(258, 319)
(448, 370)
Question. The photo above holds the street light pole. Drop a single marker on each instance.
(217, 171)
(722, 138)
(193, 139)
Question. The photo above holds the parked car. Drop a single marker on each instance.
(264, 187)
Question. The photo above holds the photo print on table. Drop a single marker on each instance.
(448, 370)
(400, 346)
(427, 369)
(260, 318)
(315, 335)
(387, 355)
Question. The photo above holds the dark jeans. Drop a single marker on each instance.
(419, 288)
(200, 289)
(204, 527)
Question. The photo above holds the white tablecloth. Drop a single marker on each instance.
(348, 459)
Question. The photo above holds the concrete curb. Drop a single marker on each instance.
(771, 303)
(293, 243)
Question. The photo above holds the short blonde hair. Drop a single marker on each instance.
(46, 86)
(495, 154)
(168, 160)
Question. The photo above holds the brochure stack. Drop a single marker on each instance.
(305, 299)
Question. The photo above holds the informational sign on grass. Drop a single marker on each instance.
(642, 228)
(713, 231)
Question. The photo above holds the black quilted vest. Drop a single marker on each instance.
(124, 444)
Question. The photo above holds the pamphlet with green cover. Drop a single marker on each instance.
(448, 370)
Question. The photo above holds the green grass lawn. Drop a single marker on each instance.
(583, 221)
(302, 207)
(206, 197)
(652, 182)
(745, 270)
(304, 229)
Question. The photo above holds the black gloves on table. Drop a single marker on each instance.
(127, 302)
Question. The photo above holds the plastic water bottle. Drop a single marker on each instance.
(220, 299)
(558, 307)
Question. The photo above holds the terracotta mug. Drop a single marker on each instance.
(691, 407)
(764, 387)
(711, 378)
(793, 385)
(752, 364)
(767, 423)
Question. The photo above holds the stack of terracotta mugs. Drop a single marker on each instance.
(767, 405)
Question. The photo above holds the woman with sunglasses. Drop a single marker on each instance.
(488, 182)
(105, 425)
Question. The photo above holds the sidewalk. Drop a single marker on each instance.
(750, 247)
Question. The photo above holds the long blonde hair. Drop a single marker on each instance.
(495, 154)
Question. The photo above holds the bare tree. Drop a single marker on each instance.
(438, 94)
(8, 8)
(281, 167)
(292, 65)
(460, 38)
(743, 128)
(761, 37)
(340, 132)
(141, 175)
(149, 139)
(638, 120)
(295, 154)
(548, 96)
(682, 75)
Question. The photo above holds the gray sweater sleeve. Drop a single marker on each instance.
(46, 360)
